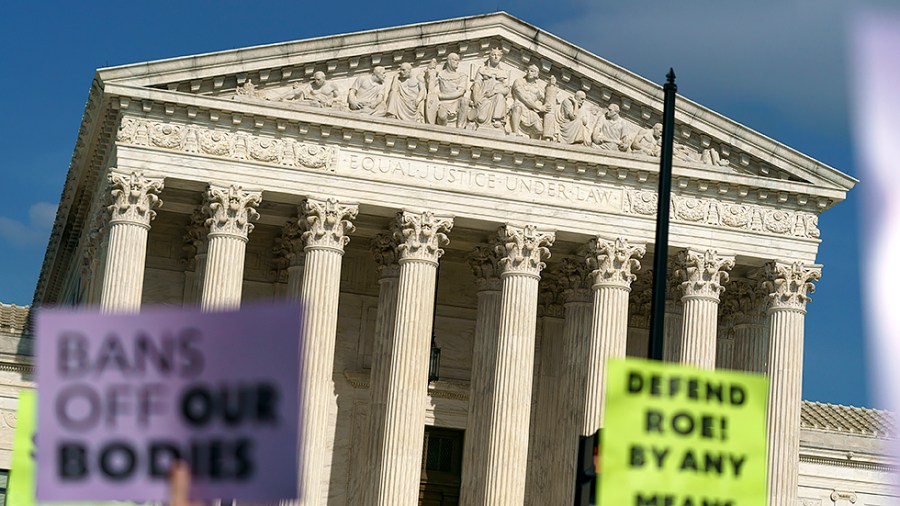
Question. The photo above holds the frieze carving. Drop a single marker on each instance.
(326, 223)
(486, 266)
(739, 216)
(493, 95)
(522, 249)
(613, 261)
(421, 235)
(235, 145)
(231, 210)
(134, 198)
(788, 284)
(702, 273)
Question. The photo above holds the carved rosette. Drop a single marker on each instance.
(384, 249)
(574, 276)
(231, 210)
(134, 198)
(521, 249)
(744, 301)
(612, 262)
(788, 284)
(421, 235)
(486, 267)
(326, 223)
(702, 273)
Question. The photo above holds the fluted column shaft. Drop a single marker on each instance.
(123, 282)
(702, 273)
(698, 331)
(384, 249)
(485, 265)
(133, 208)
(230, 212)
(325, 227)
(521, 250)
(420, 237)
(609, 337)
(788, 285)
(576, 341)
(613, 261)
(674, 318)
(751, 347)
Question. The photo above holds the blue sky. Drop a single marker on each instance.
(779, 67)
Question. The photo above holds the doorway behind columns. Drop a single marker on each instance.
(441, 467)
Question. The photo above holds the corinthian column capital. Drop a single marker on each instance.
(326, 223)
(486, 266)
(230, 210)
(613, 261)
(788, 284)
(744, 301)
(384, 249)
(574, 276)
(521, 249)
(421, 235)
(702, 273)
(134, 198)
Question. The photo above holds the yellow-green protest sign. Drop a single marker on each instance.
(22, 472)
(680, 436)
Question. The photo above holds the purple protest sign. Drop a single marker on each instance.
(122, 396)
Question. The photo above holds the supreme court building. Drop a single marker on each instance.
(475, 185)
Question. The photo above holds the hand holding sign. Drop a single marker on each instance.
(180, 486)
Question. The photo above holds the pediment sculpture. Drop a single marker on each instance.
(493, 96)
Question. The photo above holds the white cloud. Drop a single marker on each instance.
(40, 220)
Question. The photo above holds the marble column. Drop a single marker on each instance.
(575, 277)
(486, 267)
(521, 250)
(92, 259)
(290, 259)
(134, 200)
(325, 226)
(674, 315)
(384, 251)
(747, 304)
(702, 274)
(725, 342)
(420, 237)
(787, 285)
(230, 210)
(613, 262)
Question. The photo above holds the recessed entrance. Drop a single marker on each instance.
(441, 467)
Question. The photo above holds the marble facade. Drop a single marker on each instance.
(476, 178)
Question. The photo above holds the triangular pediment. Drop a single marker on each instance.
(402, 74)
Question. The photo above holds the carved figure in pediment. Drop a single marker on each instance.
(368, 92)
(648, 141)
(489, 92)
(528, 109)
(573, 120)
(445, 103)
(406, 96)
(707, 156)
(320, 93)
(551, 98)
(611, 131)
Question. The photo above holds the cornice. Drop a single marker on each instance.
(389, 44)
